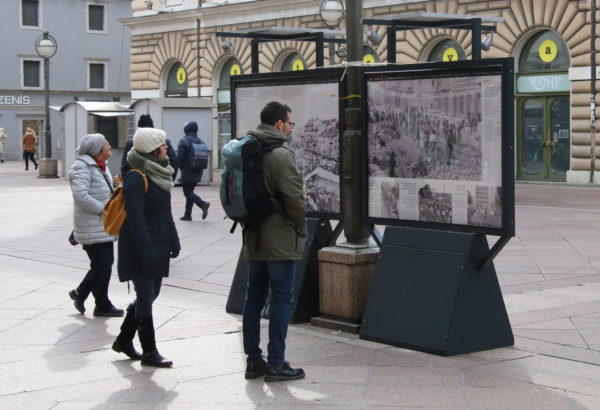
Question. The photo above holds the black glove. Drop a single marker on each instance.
(174, 253)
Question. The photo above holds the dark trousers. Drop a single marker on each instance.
(29, 156)
(98, 277)
(191, 198)
(146, 292)
(279, 278)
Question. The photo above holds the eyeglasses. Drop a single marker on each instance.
(292, 124)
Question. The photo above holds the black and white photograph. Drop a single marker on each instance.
(315, 138)
(390, 194)
(426, 128)
(434, 206)
(484, 206)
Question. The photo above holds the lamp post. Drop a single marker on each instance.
(332, 13)
(45, 47)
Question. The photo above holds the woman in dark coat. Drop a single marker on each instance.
(148, 239)
(189, 176)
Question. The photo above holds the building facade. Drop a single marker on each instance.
(91, 64)
(175, 54)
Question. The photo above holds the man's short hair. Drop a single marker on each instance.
(273, 112)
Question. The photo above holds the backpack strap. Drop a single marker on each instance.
(143, 176)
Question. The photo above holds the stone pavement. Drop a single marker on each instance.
(52, 357)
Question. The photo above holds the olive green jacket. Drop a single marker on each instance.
(284, 232)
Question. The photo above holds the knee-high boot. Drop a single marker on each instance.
(150, 357)
(124, 342)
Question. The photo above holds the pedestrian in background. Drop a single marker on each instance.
(3, 137)
(29, 148)
(272, 261)
(91, 184)
(147, 241)
(145, 121)
(189, 176)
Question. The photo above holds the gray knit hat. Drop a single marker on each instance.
(91, 144)
(146, 140)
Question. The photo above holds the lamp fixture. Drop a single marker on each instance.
(486, 43)
(227, 46)
(373, 37)
(341, 52)
(331, 12)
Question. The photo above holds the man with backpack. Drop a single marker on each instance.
(192, 156)
(273, 245)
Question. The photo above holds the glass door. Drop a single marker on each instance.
(543, 138)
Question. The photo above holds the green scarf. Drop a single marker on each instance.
(158, 170)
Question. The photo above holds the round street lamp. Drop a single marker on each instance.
(331, 12)
(45, 47)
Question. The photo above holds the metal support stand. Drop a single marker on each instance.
(427, 294)
(305, 303)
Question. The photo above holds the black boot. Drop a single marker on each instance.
(124, 342)
(150, 357)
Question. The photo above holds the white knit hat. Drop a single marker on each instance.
(91, 144)
(146, 140)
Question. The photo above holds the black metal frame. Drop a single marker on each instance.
(395, 25)
(257, 38)
(321, 75)
(503, 67)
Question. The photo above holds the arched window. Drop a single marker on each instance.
(447, 50)
(370, 55)
(177, 81)
(545, 51)
(293, 62)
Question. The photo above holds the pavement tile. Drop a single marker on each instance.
(417, 376)
(526, 398)
(417, 396)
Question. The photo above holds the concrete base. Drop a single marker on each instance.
(345, 275)
(48, 168)
(334, 324)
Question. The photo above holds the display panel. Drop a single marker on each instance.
(438, 147)
(315, 139)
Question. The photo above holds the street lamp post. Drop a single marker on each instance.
(45, 47)
(332, 14)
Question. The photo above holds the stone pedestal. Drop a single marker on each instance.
(345, 274)
(48, 168)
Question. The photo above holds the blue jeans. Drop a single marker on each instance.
(279, 278)
(146, 292)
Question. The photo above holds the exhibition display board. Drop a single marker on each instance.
(439, 146)
(314, 98)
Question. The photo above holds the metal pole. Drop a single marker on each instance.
(47, 134)
(593, 91)
(476, 39)
(391, 44)
(254, 55)
(319, 45)
(355, 228)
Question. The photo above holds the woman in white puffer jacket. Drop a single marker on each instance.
(91, 184)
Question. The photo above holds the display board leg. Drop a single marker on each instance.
(427, 294)
(305, 302)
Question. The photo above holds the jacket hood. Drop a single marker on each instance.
(269, 134)
(191, 127)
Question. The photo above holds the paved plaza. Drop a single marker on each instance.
(51, 357)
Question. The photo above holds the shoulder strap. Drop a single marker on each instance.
(143, 176)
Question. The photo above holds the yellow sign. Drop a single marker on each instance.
(297, 65)
(235, 70)
(450, 54)
(181, 75)
(548, 51)
(368, 58)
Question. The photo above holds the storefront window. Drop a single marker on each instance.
(446, 51)
(177, 81)
(545, 51)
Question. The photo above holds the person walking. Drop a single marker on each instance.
(148, 239)
(145, 121)
(189, 176)
(272, 261)
(29, 148)
(3, 137)
(91, 184)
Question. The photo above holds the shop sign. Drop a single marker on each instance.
(297, 65)
(550, 83)
(15, 99)
(450, 54)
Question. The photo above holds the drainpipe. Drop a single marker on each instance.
(593, 91)
(198, 50)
